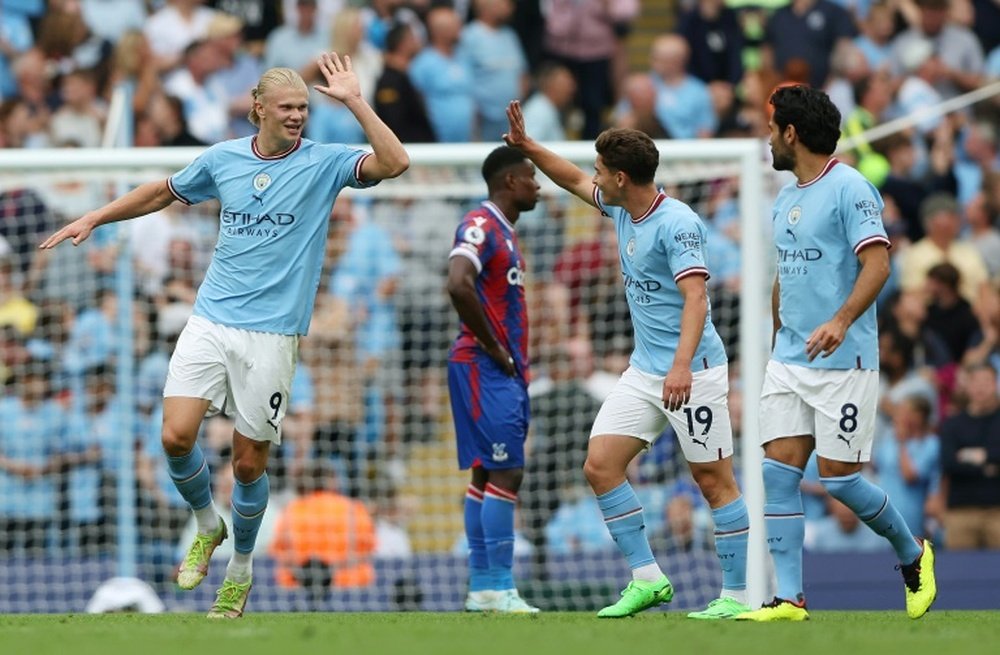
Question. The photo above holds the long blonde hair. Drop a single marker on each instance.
(273, 77)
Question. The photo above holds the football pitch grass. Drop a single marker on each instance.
(574, 633)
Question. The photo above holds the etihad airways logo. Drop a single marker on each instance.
(248, 224)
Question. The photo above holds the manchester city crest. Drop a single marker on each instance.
(261, 181)
(794, 214)
(630, 247)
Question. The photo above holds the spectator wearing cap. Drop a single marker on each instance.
(956, 61)
(942, 224)
(970, 463)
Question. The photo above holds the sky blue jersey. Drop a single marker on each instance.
(664, 245)
(819, 229)
(272, 228)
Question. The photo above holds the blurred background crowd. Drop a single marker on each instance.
(367, 438)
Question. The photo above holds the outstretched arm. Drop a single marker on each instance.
(144, 199)
(389, 157)
(559, 170)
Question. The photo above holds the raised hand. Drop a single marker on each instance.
(517, 135)
(78, 230)
(341, 82)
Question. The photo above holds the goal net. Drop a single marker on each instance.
(86, 334)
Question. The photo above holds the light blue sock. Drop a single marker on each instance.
(479, 564)
(785, 523)
(249, 503)
(192, 478)
(732, 532)
(498, 533)
(623, 516)
(873, 506)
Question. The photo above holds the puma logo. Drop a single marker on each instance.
(272, 425)
(703, 444)
(845, 439)
(791, 234)
(259, 199)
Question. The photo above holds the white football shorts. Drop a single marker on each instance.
(242, 373)
(835, 406)
(634, 408)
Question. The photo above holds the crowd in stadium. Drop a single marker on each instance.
(370, 379)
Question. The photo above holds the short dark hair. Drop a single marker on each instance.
(499, 160)
(815, 117)
(394, 38)
(946, 274)
(630, 151)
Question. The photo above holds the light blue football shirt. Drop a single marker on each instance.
(664, 245)
(819, 227)
(29, 435)
(272, 233)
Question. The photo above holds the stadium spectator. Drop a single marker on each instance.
(683, 103)
(34, 89)
(259, 17)
(15, 38)
(907, 460)
(983, 233)
(206, 112)
(79, 121)
(15, 310)
(238, 75)
(687, 524)
(544, 110)
(110, 20)
(67, 42)
(174, 27)
(496, 59)
(976, 154)
(365, 280)
(949, 315)
(444, 79)
(326, 11)
(872, 95)
(848, 66)
(877, 30)
(32, 435)
(561, 409)
(397, 101)
(132, 66)
(583, 36)
(942, 223)
(808, 31)
(907, 316)
(323, 529)
(956, 58)
(296, 44)
(91, 460)
(715, 40)
(970, 463)
(167, 115)
(638, 107)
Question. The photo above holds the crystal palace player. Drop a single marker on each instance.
(238, 350)
(677, 372)
(821, 386)
(488, 375)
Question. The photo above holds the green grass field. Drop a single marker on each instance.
(660, 633)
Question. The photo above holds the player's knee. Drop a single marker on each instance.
(597, 472)
(247, 469)
(509, 479)
(717, 487)
(177, 442)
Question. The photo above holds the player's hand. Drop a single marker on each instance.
(517, 136)
(677, 388)
(503, 359)
(78, 230)
(341, 82)
(826, 338)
